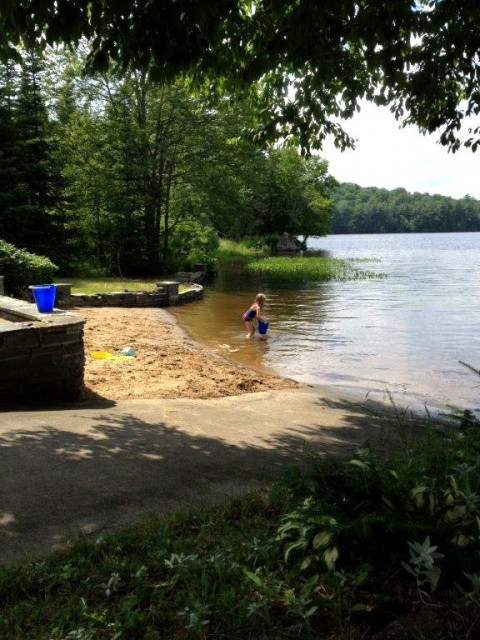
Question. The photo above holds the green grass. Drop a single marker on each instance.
(310, 269)
(232, 248)
(283, 269)
(230, 252)
(105, 284)
(182, 577)
(337, 552)
(108, 285)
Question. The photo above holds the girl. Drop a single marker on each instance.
(253, 312)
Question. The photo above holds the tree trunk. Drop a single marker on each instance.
(166, 237)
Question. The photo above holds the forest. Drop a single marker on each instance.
(118, 174)
(114, 173)
(372, 210)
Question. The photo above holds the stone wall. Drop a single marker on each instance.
(116, 299)
(191, 276)
(41, 355)
(166, 294)
(195, 292)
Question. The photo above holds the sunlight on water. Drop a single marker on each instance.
(404, 334)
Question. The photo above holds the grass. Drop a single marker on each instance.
(177, 578)
(108, 285)
(337, 552)
(231, 253)
(310, 269)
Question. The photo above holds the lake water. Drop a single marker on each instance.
(403, 335)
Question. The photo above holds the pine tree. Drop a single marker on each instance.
(12, 194)
(38, 176)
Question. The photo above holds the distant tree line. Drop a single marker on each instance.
(373, 210)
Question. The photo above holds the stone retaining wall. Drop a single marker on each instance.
(165, 295)
(191, 276)
(41, 354)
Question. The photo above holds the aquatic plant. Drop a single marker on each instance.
(310, 268)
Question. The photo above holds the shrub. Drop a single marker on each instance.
(21, 268)
(262, 243)
(374, 511)
(192, 242)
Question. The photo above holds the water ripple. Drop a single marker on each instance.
(404, 333)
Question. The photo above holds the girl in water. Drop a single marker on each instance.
(253, 313)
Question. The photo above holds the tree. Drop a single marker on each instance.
(29, 180)
(294, 195)
(39, 224)
(308, 63)
(175, 157)
(145, 162)
(10, 189)
(373, 210)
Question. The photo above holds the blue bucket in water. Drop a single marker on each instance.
(263, 327)
(44, 296)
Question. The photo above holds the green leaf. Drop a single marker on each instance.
(253, 577)
(322, 539)
(361, 465)
(388, 502)
(359, 607)
(330, 557)
(461, 540)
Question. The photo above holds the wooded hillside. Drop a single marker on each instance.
(373, 210)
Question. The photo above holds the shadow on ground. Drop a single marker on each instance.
(67, 473)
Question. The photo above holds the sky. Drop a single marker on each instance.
(389, 157)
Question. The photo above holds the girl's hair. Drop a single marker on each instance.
(260, 298)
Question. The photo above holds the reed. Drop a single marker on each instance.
(322, 269)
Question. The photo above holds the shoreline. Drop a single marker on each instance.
(151, 439)
(384, 399)
(168, 362)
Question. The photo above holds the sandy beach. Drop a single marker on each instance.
(168, 363)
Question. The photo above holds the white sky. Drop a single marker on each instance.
(389, 157)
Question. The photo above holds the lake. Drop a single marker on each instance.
(402, 336)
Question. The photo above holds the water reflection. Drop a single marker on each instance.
(403, 335)
(296, 320)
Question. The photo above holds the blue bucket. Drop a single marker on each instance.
(263, 327)
(44, 296)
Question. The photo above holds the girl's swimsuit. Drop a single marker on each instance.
(249, 315)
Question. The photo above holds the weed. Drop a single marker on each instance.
(422, 566)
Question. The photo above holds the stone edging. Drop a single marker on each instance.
(41, 354)
(166, 294)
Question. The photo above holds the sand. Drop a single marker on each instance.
(168, 363)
